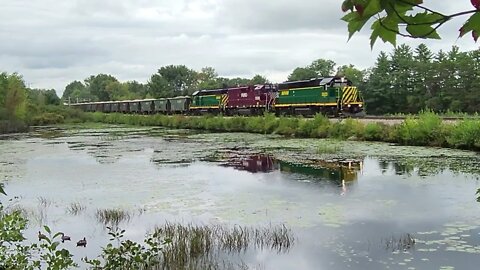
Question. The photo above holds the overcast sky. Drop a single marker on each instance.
(53, 42)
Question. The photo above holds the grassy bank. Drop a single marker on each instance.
(427, 129)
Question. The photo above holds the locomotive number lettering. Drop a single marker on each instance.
(284, 93)
(243, 94)
(324, 94)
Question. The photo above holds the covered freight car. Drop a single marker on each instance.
(161, 106)
(147, 106)
(179, 104)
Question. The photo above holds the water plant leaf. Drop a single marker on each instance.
(2, 191)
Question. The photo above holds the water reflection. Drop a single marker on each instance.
(251, 188)
(334, 170)
(254, 164)
(339, 171)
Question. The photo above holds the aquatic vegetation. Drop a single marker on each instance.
(329, 148)
(402, 243)
(191, 244)
(332, 215)
(76, 208)
(112, 217)
(41, 215)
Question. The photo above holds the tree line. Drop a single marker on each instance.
(407, 80)
(168, 81)
(19, 103)
(410, 80)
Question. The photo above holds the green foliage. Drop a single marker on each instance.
(54, 257)
(47, 119)
(98, 86)
(15, 254)
(426, 130)
(374, 132)
(318, 68)
(408, 81)
(465, 134)
(407, 18)
(126, 254)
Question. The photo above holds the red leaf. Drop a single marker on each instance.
(360, 9)
(476, 3)
(462, 31)
(475, 35)
(345, 7)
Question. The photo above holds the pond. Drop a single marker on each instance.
(350, 205)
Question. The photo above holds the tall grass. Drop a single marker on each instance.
(112, 217)
(428, 129)
(194, 245)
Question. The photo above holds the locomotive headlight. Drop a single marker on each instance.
(360, 105)
(349, 105)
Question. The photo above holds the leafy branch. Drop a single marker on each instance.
(406, 18)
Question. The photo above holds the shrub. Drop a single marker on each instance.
(465, 134)
(426, 130)
(287, 126)
(374, 132)
(47, 119)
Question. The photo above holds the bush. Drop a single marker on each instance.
(47, 119)
(374, 132)
(465, 134)
(287, 126)
(428, 129)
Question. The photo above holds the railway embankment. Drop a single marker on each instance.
(427, 129)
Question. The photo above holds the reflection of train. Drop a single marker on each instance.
(256, 163)
(329, 95)
(337, 171)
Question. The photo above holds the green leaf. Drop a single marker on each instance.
(2, 191)
(394, 7)
(422, 31)
(47, 229)
(472, 24)
(386, 29)
(375, 29)
(355, 22)
(372, 8)
(425, 18)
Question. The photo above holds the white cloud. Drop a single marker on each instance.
(54, 42)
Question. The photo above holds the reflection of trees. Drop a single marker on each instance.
(425, 166)
(403, 169)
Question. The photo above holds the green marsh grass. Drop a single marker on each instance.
(425, 129)
(112, 217)
(75, 208)
(193, 244)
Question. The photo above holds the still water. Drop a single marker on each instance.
(347, 208)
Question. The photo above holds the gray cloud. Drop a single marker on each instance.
(54, 42)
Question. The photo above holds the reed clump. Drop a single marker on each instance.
(190, 245)
(112, 217)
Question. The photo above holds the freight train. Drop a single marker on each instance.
(328, 95)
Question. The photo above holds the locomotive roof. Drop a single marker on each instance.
(312, 82)
(210, 92)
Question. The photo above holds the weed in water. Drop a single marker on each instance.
(75, 208)
(112, 217)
